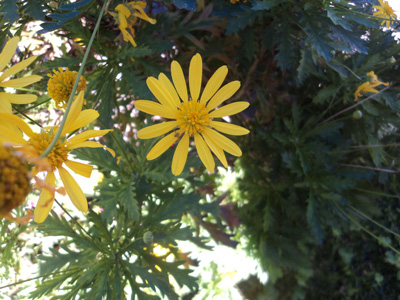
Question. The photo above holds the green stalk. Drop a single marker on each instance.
(71, 97)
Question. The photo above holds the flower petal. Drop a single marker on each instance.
(8, 52)
(91, 144)
(154, 108)
(21, 82)
(8, 134)
(74, 191)
(46, 199)
(229, 128)
(17, 67)
(180, 155)
(160, 93)
(156, 130)
(17, 98)
(5, 106)
(74, 112)
(80, 168)
(213, 84)
(223, 94)
(86, 117)
(204, 153)
(161, 146)
(229, 109)
(179, 80)
(217, 150)
(81, 137)
(195, 76)
(10, 118)
(163, 79)
(222, 141)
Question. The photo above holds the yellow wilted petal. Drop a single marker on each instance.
(80, 168)
(21, 82)
(156, 130)
(17, 67)
(10, 118)
(180, 155)
(229, 109)
(195, 76)
(161, 146)
(74, 112)
(122, 9)
(170, 88)
(46, 199)
(223, 94)
(8, 52)
(143, 15)
(179, 80)
(204, 153)
(91, 144)
(216, 149)
(229, 128)
(214, 84)
(86, 117)
(156, 109)
(161, 94)
(74, 191)
(17, 98)
(81, 137)
(222, 141)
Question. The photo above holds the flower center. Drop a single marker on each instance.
(58, 155)
(60, 86)
(14, 180)
(192, 117)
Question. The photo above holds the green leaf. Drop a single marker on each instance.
(266, 4)
(325, 95)
(186, 4)
(35, 9)
(76, 5)
(314, 219)
(9, 9)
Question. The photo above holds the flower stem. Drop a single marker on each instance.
(71, 97)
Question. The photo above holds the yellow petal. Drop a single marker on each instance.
(123, 10)
(4, 118)
(74, 191)
(80, 168)
(170, 88)
(229, 128)
(128, 37)
(217, 150)
(17, 98)
(17, 67)
(86, 117)
(8, 134)
(8, 52)
(161, 146)
(204, 153)
(21, 82)
(160, 93)
(5, 106)
(81, 137)
(91, 144)
(46, 199)
(156, 130)
(223, 94)
(179, 80)
(143, 15)
(229, 109)
(222, 141)
(214, 84)
(74, 112)
(156, 109)
(180, 155)
(195, 76)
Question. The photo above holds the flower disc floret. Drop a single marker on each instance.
(14, 180)
(192, 117)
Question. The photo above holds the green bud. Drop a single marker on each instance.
(148, 237)
(357, 114)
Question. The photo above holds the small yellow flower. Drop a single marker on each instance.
(14, 180)
(59, 155)
(192, 116)
(369, 86)
(385, 11)
(126, 17)
(60, 85)
(6, 99)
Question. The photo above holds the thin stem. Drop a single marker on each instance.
(377, 193)
(355, 105)
(70, 100)
(374, 146)
(29, 118)
(36, 105)
(370, 168)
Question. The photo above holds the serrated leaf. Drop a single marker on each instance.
(49, 26)
(266, 4)
(313, 219)
(127, 198)
(35, 9)
(9, 9)
(76, 5)
(285, 48)
(65, 17)
(186, 4)
(338, 19)
(325, 95)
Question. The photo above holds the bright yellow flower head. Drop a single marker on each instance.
(369, 86)
(60, 85)
(126, 17)
(58, 157)
(14, 180)
(385, 11)
(6, 99)
(192, 117)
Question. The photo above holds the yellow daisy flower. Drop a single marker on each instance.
(369, 86)
(192, 116)
(58, 157)
(385, 11)
(6, 99)
(126, 17)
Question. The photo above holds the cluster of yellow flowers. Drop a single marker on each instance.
(369, 86)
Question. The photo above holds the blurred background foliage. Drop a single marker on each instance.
(316, 199)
